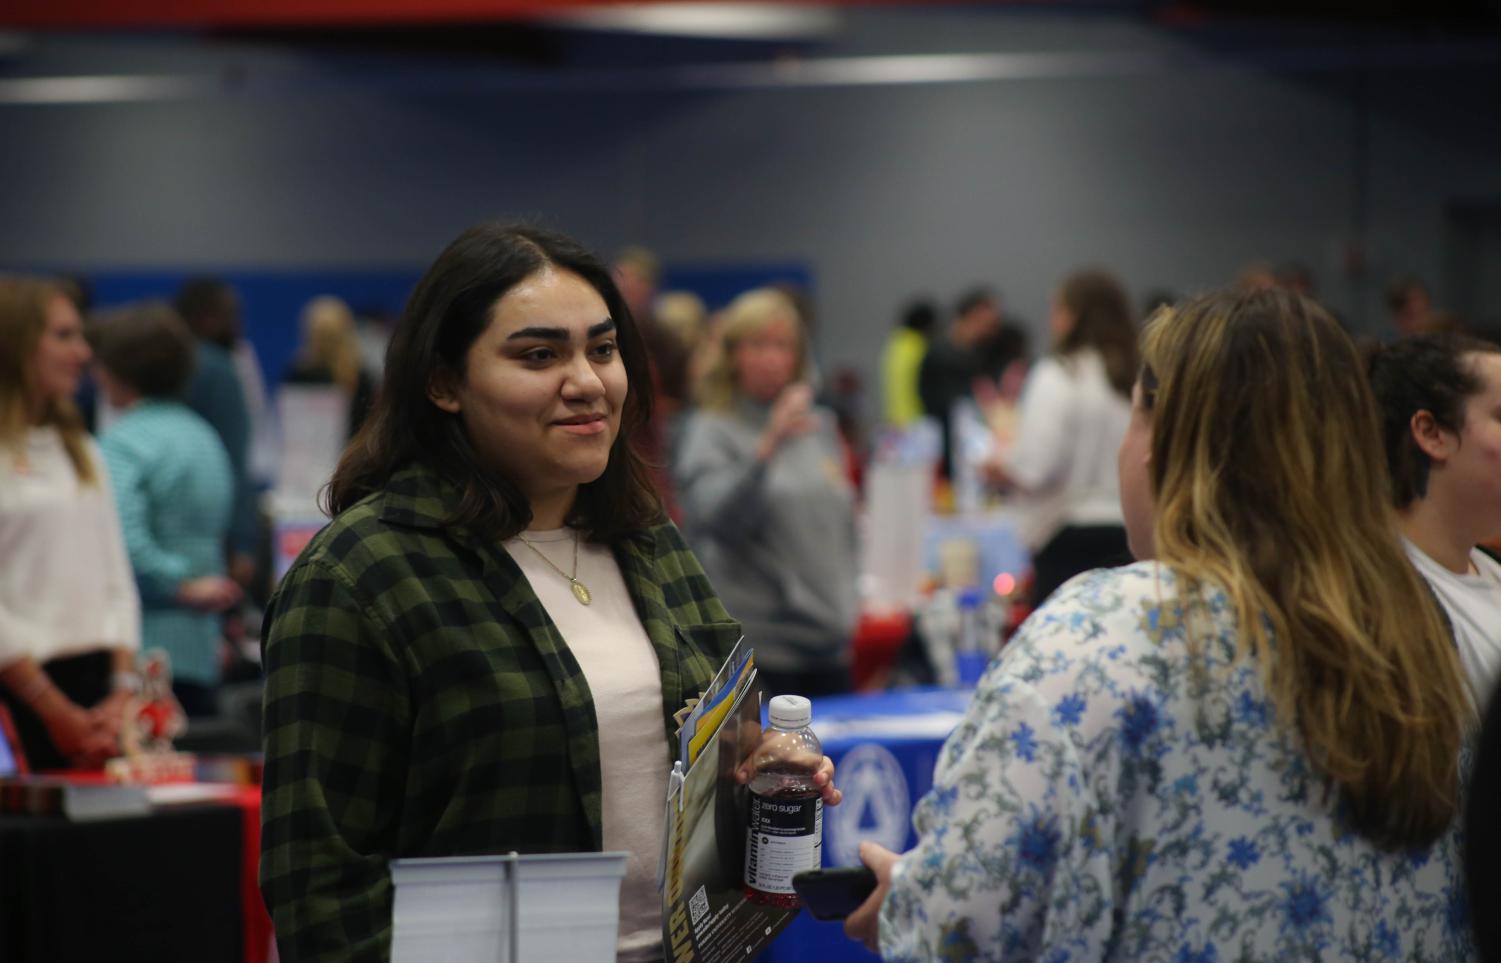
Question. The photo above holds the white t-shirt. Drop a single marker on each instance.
(1068, 434)
(65, 582)
(625, 681)
(1473, 602)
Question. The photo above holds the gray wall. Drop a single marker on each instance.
(1175, 170)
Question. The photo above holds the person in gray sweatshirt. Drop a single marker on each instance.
(767, 505)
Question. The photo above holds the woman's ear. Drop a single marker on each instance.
(441, 392)
(1431, 437)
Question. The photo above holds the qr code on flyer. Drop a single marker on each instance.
(698, 905)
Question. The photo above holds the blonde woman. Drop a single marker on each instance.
(69, 615)
(1245, 746)
(330, 354)
(765, 501)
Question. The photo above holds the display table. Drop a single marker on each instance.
(177, 884)
(161, 887)
(884, 746)
(898, 573)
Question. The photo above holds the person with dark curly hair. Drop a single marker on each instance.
(1440, 401)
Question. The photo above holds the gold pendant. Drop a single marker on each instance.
(579, 592)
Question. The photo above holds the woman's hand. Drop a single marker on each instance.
(209, 593)
(791, 415)
(994, 473)
(84, 737)
(112, 708)
(823, 778)
(864, 924)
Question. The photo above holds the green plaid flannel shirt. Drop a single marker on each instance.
(420, 702)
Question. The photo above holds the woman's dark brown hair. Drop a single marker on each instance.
(146, 346)
(1102, 321)
(1422, 372)
(451, 306)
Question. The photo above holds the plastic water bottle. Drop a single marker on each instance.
(972, 444)
(971, 653)
(784, 834)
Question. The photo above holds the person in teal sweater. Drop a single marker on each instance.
(174, 486)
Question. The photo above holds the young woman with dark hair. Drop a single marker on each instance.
(484, 649)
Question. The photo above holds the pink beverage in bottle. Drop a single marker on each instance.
(784, 834)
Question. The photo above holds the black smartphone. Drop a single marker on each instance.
(833, 894)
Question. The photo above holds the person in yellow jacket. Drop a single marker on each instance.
(901, 359)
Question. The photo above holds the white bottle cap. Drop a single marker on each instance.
(790, 711)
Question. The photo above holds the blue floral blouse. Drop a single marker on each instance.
(1103, 799)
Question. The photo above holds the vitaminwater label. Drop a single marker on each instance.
(785, 837)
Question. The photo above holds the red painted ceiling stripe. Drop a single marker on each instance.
(261, 13)
(85, 14)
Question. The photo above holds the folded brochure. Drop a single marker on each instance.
(706, 917)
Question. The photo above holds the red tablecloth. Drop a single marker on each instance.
(877, 643)
(257, 921)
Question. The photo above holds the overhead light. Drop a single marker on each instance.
(735, 21)
(100, 89)
(921, 69)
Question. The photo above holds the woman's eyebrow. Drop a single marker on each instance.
(560, 334)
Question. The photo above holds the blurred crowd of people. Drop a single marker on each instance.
(756, 452)
(129, 512)
(132, 507)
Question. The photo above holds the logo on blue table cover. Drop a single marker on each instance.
(876, 804)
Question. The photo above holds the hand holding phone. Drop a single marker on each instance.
(833, 894)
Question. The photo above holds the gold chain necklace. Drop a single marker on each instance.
(580, 590)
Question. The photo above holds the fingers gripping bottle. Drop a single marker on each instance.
(784, 833)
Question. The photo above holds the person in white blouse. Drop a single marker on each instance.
(1073, 414)
(69, 613)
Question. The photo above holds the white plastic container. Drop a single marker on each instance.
(464, 909)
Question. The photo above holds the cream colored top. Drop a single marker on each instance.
(65, 582)
(624, 679)
(1068, 433)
